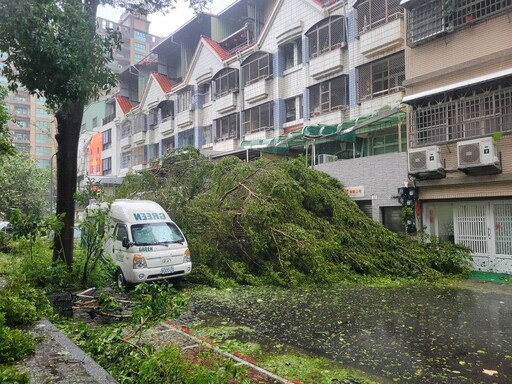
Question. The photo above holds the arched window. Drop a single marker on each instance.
(257, 66)
(326, 35)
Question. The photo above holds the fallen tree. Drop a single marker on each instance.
(282, 222)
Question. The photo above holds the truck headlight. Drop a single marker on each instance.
(139, 262)
(186, 256)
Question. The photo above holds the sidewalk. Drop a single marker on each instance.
(58, 360)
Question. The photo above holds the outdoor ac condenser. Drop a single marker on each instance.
(478, 152)
(426, 159)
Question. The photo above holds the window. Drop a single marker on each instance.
(41, 112)
(43, 151)
(372, 14)
(23, 148)
(140, 47)
(428, 19)
(42, 138)
(328, 96)
(258, 66)
(381, 77)
(292, 53)
(140, 123)
(462, 115)
(293, 108)
(43, 163)
(388, 143)
(43, 126)
(21, 98)
(227, 127)
(205, 93)
(41, 100)
(94, 122)
(121, 232)
(21, 136)
(126, 129)
(327, 35)
(207, 135)
(259, 118)
(184, 101)
(138, 156)
(107, 139)
(22, 123)
(126, 160)
(139, 57)
(226, 82)
(138, 35)
(21, 111)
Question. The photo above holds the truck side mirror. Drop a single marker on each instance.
(125, 242)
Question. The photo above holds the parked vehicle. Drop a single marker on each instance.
(144, 243)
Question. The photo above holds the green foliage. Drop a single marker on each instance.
(283, 223)
(14, 344)
(9, 374)
(170, 366)
(156, 301)
(105, 345)
(24, 187)
(20, 304)
(94, 231)
(6, 147)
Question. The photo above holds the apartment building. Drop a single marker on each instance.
(32, 126)
(273, 77)
(459, 96)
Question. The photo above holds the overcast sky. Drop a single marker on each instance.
(164, 25)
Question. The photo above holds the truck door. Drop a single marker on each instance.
(117, 249)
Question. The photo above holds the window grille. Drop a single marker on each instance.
(327, 35)
(258, 67)
(258, 118)
(184, 101)
(126, 129)
(462, 117)
(227, 127)
(126, 160)
(373, 14)
(226, 82)
(140, 123)
(328, 96)
(428, 19)
(381, 77)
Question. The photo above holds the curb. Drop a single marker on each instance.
(58, 359)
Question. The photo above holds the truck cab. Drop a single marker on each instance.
(145, 244)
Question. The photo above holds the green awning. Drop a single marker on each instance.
(345, 131)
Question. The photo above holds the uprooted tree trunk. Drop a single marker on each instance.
(68, 133)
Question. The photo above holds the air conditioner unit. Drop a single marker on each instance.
(425, 159)
(478, 156)
(324, 158)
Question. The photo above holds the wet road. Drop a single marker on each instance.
(409, 335)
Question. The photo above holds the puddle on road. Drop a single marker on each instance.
(406, 334)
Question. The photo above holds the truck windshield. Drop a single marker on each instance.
(156, 233)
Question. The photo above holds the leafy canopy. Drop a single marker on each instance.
(53, 50)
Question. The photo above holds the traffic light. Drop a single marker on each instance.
(407, 196)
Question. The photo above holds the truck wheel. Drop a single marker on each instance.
(120, 280)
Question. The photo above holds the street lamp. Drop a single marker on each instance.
(51, 182)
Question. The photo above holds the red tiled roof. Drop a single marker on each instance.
(163, 81)
(217, 48)
(124, 103)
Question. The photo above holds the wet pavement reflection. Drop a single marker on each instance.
(419, 334)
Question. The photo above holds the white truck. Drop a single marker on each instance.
(144, 243)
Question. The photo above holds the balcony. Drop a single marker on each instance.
(109, 118)
(139, 137)
(327, 63)
(184, 118)
(388, 36)
(166, 126)
(225, 144)
(126, 142)
(226, 103)
(257, 90)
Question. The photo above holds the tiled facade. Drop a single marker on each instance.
(459, 97)
(390, 80)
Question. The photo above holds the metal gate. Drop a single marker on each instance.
(486, 227)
